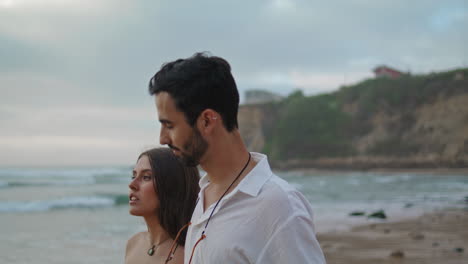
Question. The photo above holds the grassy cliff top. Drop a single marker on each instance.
(328, 125)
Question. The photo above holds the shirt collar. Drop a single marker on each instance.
(254, 180)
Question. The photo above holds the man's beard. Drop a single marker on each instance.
(193, 149)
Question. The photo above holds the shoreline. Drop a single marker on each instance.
(370, 163)
(415, 171)
(440, 236)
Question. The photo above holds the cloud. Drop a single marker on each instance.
(49, 21)
(78, 70)
(46, 120)
(316, 83)
(69, 151)
(77, 135)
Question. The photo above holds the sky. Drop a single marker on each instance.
(74, 74)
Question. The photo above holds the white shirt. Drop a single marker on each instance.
(263, 220)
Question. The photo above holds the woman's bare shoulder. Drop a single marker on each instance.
(134, 239)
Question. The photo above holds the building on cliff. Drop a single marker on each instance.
(385, 71)
(261, 96)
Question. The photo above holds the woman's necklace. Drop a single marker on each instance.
(203, 236)
(152, 249)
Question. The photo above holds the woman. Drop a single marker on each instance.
(163, 191)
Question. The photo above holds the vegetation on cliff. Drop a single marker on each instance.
(335, 125)
(306, 123)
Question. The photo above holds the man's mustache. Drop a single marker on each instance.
(172, 147)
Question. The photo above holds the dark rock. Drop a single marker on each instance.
(378, 214)
(459, 250)
(435, 244)
(386, 231)
(357, 213)
(408, 205)
(397, 254)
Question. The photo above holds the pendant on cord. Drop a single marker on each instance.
(151, 250)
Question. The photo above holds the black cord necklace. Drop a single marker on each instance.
(214, 208)
(203, 236)
(153, 248)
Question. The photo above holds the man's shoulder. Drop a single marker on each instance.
(285, 197)
(273, 191)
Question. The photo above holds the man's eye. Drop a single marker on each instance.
(167, 125)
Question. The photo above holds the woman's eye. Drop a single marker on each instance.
(147, 178)
(133, 177)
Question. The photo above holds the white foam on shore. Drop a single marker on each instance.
(63, 176)
(69, 202)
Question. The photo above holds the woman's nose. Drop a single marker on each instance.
(133, 185)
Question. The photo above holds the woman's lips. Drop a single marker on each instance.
(133, 199)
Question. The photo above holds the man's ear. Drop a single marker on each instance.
(208, 120)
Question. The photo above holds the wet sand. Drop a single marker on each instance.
(67, 236)
(99, 236)
(438, 237)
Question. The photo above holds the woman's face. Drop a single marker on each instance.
(143, 198)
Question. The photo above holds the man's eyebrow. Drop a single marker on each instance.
(164, 121)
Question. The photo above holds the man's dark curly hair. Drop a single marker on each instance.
(197, 83)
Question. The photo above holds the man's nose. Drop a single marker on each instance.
(163, 138)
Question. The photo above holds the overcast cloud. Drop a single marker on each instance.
(73, 74)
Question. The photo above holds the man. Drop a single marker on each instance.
(245, 213)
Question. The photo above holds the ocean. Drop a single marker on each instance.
(80, 215)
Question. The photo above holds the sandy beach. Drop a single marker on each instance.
(438, 237)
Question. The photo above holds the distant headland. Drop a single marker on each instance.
(395, 120)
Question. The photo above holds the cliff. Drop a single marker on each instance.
(412, 122)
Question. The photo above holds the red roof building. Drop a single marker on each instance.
(384, 71)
